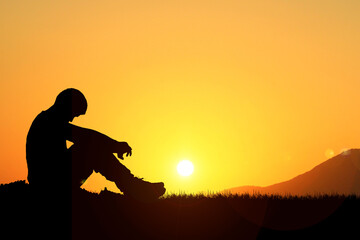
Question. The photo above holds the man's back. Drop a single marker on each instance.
(46, 152)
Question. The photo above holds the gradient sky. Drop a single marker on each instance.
(252, 92)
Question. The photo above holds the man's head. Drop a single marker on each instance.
(70, 103)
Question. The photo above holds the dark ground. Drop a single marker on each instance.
(112, 216)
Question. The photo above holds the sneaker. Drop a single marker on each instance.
(143, 190)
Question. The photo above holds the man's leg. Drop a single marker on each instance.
(80, 166)
(86, 160)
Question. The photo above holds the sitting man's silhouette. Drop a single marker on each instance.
(52, 166)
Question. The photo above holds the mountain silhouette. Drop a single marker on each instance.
(337, 175)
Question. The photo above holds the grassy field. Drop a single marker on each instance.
(112, 216)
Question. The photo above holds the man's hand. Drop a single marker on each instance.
(123, 147)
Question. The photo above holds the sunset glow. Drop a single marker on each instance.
(185, 168)
(256, 92)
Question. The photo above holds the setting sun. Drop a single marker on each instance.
(185, 168)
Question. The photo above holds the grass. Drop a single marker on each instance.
(259, 196)
(110, 215)
(22, 187)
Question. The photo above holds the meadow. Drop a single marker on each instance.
(109, 215)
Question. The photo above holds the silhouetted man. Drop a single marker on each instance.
(52, 166)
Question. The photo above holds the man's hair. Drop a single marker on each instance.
(73, 99)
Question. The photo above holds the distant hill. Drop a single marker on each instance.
(340, 174)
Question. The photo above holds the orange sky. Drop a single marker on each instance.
(252, 92)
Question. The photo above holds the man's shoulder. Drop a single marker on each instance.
(45, 118)
(41, 116)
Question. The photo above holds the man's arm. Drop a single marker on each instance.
(96, 140)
